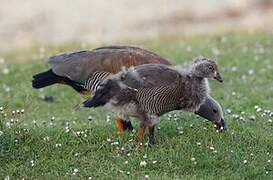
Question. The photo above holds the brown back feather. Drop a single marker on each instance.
(81, 65)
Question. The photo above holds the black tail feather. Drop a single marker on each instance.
(44, 79)
(48, 78)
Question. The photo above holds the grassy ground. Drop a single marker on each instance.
(35, 145)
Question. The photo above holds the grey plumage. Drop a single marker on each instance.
(212, 111)
(151, 90)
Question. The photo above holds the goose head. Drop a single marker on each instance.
(206, 68)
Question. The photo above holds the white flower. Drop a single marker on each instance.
(67, 129)
(258, 110)
(1, 108)
(143, 163)
(8, 124)
(31, 163)
(250, 72)
(193, 159)
(1, 133)
(108, 118)
(154, 162)
(5, 71)
(146, 176)
(90, 118)
(126, 162)
(245, 161)
(235, 116)
(189, 49)
(198, 143)
(211, 148)
(234, 68)
(215, 51)
(7, 89)
(145, 156)
(58, 145)
(46, 138)
(270, 120)
(115, 143)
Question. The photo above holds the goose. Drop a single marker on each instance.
(150, 90)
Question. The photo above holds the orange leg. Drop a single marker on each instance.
(119, 124)
(140, 134)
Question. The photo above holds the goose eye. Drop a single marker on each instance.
(214, 110)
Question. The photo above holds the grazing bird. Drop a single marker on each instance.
(212, 111)
(150, 90)
(84, 70)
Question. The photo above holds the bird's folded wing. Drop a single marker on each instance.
(150, 75)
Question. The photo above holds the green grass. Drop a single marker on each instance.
(36, 147)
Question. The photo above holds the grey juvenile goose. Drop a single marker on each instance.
(138, 93)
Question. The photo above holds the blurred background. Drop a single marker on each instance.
(28, 22)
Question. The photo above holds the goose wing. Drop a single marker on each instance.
(81, 65)
(151, 75)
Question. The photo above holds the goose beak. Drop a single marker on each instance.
(218, 77)
(221, 125)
